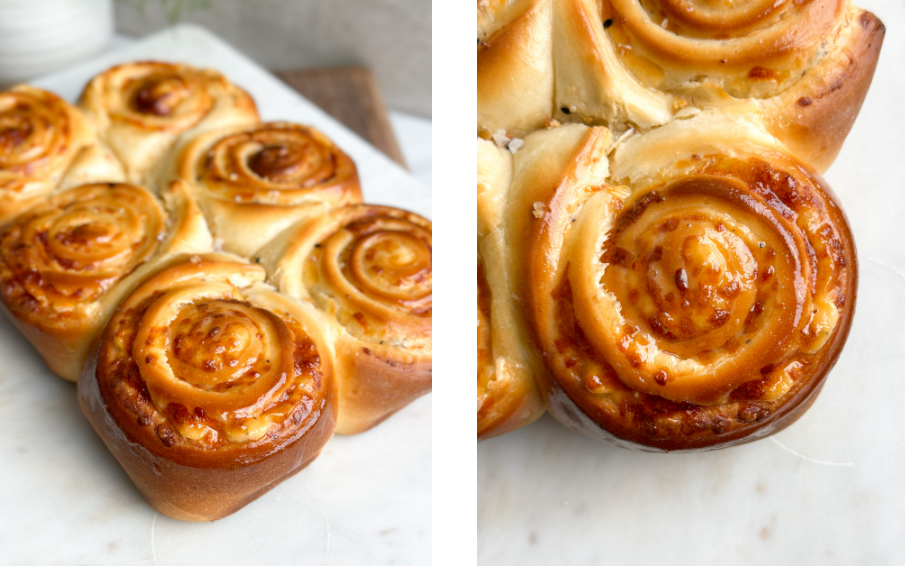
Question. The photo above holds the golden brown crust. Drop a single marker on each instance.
(209, 387)
(507, 394)
(592, 84)
(813, 119)
(667, 44)
(771, 54)
(515, 67)
(141, 109)
(697, 298)
(65, 263)
(264, 179)
(803, 67)
(369, 270)
(376, 383)
(45, 143)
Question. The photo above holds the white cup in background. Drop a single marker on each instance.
(42, 36)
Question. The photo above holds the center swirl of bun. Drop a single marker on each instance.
(216, 354)
(753, 48)
(394, 265)
(34, 131)
(72, 248)
(212, 363)
(382, 263)
(275, 163)
(158, 96)
(700, 271)
(279, 162)
(729, 274)
(711, 19)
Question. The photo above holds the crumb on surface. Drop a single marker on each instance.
(501, 139)
(538, 210)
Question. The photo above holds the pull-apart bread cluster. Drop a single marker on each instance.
(660, 264)
(214, 284)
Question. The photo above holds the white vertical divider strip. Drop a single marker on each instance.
(454, 164)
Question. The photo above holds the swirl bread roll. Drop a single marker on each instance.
(368, 269)
(696, 296)
(141, 109)
(45, 144)
(66, 263)
(209, 387)
(515, 66)
(263, 178)
(803, 66)
(508, 397)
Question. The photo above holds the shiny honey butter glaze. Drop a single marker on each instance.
(142, 109)
(41, 138)
(278, 164)
(65, 253)
(195, 364)
(35, 135)
(507, 393)
(158, 96)
(494, 14)
(754, 48)
(373, 271)
(695, 307)
(489, 396)
(368, 271)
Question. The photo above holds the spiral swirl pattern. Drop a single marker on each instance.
(142, 110)
(34, 131)
(754, 48)
(368, 270)
(714, 286)
(63, 254)
(696, 305)
(278, 164)
(159, 96)
(376, 263)
(210, 365)
(40, 135)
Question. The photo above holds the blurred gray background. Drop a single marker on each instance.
(391, 37)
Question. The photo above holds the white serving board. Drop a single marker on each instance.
(65, 500)
(828, 490)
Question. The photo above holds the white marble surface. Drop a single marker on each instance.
(828, 490)
(43, 37)
(65, 500)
